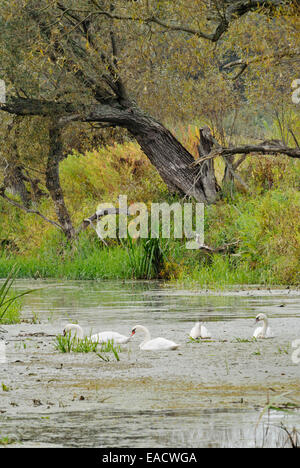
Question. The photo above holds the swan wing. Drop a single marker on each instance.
(195, 332)
(257, 332)
(204, 332)
(106, 336)
(159, 344)
(269, 333)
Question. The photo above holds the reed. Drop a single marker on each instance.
(8, 300)
(71, 344)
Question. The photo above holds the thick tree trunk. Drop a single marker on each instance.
(53, 182)
(14, 180)
(207, 169)
(173, 161)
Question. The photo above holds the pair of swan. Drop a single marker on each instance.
(200, 331)
(148, 344)
(103, 337)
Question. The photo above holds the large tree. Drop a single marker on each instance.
(90, 60)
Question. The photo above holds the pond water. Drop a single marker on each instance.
(208, 394)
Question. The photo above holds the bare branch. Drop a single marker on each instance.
(222, 249)
(28, 210)
(264, 148)
(239, 162)
(234, 174)
(278, 55)
(96, 216)
(294, 137)
(231, 11)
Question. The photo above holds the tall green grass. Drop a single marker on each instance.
(10, 302)
(146, 256)
(265, 221)
(71, 344)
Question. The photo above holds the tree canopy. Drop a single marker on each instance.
(135, 64)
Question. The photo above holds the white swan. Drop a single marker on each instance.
(199, 331)
(264, 331)
(102, 337)
(156, 344)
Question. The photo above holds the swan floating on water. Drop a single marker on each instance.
(199, 331)
(264, 331)
(156, 344)
(102, 337)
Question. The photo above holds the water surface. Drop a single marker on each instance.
(207, 394)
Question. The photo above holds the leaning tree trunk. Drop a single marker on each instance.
(173, 162)
(53, 181)
(165, 152)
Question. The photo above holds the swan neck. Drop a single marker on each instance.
(265, 326)
(146, 333)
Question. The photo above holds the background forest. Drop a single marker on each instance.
(103, 97)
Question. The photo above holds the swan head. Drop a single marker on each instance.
(261, 317)
(135, 329)
(140, 328)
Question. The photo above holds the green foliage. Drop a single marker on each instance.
(9, 302)
(6, 441)
(71, 344)
(267, 226)
(146, 256)
(4, 387)
(265, 221)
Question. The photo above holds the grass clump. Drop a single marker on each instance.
(7, 441)
(245, 340)
(71, 344)
(147, 257)
(267, 228)
(4, 387)
(10, 304)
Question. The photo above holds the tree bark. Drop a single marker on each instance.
(228, 177)
(171, 159)
(207, 170)
(53, 181)
(14, 180)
